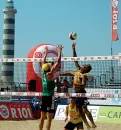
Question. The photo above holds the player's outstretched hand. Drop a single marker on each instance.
(60, 47)
(73, 45)
(46, 49)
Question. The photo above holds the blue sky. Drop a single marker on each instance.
(50, 21)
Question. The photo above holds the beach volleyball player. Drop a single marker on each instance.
(48, 84)
(80, 86)
(73, 115)
(81, 103)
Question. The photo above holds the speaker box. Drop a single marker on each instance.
(32, 85)
(2, 89)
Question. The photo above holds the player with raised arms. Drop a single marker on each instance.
(79, 84)
(48, 85)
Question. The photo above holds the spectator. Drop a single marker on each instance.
(58, 84)
(13, 88)
(36, 107)
(60, 79)
(65, 85)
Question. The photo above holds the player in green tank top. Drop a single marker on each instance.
(48, 85)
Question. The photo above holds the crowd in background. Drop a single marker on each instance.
(63, 83)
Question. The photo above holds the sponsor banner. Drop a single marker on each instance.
(100, 113)
(108, 101)
(109, 114)
(114, 94)
(15, 111)
(60, 112)
(94, 111)
(22, 97)
(98, 91)
(115, 13)
(5, 98)
(115, 101)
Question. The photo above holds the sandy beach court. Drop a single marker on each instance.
(56, 125)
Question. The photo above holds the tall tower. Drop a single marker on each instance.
(8, 41)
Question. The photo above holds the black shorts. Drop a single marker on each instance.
(47, 104)
(71, 126)
(81, 101)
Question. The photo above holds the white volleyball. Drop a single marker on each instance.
(72, 35)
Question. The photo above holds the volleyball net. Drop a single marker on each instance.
(106, 71)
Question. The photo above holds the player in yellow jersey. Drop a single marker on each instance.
(80, 86)
(80, 78)
(73, 115)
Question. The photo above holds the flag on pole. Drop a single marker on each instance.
(114, 20)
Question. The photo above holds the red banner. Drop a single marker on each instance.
(115, 20)
(15, 111)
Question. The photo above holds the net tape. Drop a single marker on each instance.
(65, 95)
(116, 57)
